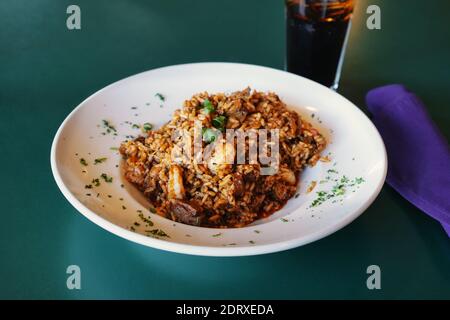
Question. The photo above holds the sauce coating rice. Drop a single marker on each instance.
(218, 190)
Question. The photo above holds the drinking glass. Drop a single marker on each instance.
(316, 37)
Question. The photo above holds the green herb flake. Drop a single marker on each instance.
(338, 190)
(217, 235)
(147, 126)
(208, 107)
(160, 96)
(219, 122)
(105, 177)
(96, 182)
(344, 179)
(209, 135)
(83, 162)
(108, 126)
(146, 220)
(157, 232)
(99, 160)
(88, 186)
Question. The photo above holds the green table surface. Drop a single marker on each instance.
(46, 70)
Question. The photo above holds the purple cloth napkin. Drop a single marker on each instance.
(419, 156)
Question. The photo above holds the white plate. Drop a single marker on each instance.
(355, 147)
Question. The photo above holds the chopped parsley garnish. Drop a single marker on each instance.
(146, 220)
(209, 135)
(105, 177)
(114, 148)
(337, 190)
(157, 232)
(217, 235)
(147, 126)
(96, 182)
(88, 186)
(135, 126)
(83, 162)
(109, 127)
(160, 96)
(344, 179)
(219, 122)
(208, 107)
(99, 160)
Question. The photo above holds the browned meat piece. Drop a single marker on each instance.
(249, 172)
(238, 182)
(239, 115)
(188, 213)
(282, 192)
(136, 174)
(257, 202)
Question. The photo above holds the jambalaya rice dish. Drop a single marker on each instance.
(218, 191)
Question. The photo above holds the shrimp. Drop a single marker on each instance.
(176, 187)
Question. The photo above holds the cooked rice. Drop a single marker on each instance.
(231, 195)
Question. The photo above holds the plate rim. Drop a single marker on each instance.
(203, 250)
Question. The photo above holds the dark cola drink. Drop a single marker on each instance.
(316, 36)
